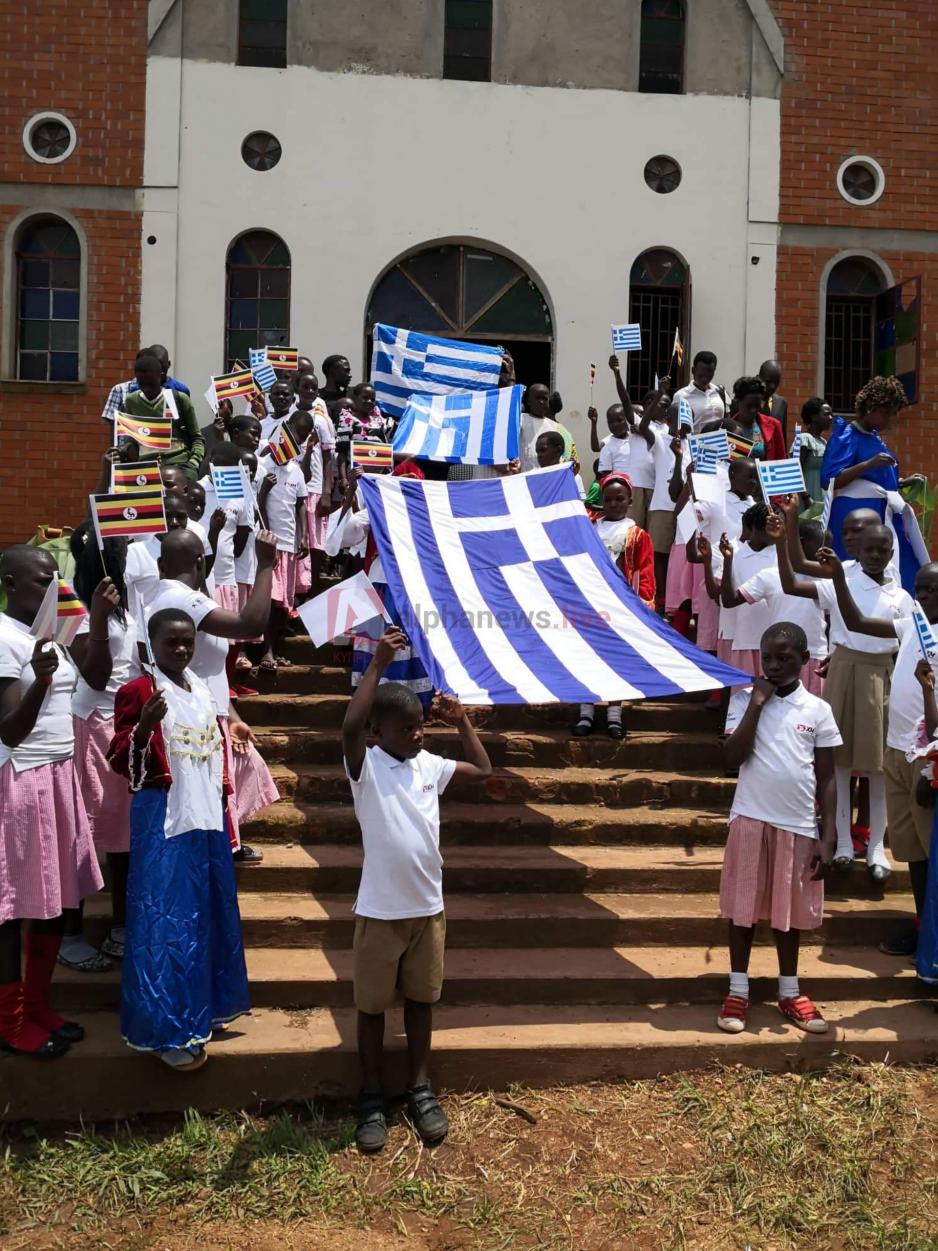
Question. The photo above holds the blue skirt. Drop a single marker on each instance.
(184, 973)
(926, 958)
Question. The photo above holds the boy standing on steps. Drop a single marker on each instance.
(782, 740)
(400, 926)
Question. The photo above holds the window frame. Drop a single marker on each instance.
(274, 61)
(643, 44)
(879, 267)
(640, 363)
(288, 268)
(451, 60)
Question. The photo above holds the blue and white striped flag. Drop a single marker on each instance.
(467, 427)
(230, 482)
(509, 597)
(627, 338)
(926, 636)
(780, 477)
(261, 368)
(710, 446)
(685, 414)
(406, 363)
(795, 449)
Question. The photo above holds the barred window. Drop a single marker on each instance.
(48, 301)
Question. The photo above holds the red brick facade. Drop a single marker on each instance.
(90, 65)
(859, 80)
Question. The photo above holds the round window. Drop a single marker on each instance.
(860, 180)
(49, 138)
(261, 150)
(663, 174)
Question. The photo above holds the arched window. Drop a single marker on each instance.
(462, 291)
(661, 54)
(658, 287)
(257, 303)
(849, 329)
(48, 301)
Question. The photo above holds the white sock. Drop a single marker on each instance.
(788, 987)
(614, 714)
(739, 985)
(876, 852)
(586, 712)
(844, 841)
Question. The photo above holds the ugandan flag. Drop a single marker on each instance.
(135, 477)
(70, 613)
(284, 447)
(128, 514)
(229, 386)
(740, 447)
(286, 358)
(153, 433)
(372, 457)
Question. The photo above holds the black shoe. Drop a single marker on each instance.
(50, 1050)
(371, 1132)
(583, 727)
(426, 1115)
(69, 1032)
(614, 730)
(880, 873)
(248, 855)
(901, 945)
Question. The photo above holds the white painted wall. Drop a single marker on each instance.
(374, 166)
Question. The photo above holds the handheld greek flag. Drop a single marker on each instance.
(509, 597)
(713, 445)
(627, 338)
(467, 427)
(230, 483)
(685, 414)
(926, 636)
(261, 369)
(406, 363)
(795, 449)
(780, 477)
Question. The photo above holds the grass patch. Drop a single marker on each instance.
(839, 1161)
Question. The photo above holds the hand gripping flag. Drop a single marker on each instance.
(405, 363)
(284, 447)
(261, 368)
(372, 457)
(128, 514)
(230, 386)
(509, 597)
(135, 477)
(153, 433)
(795, 449)
(230, 483)
(60, 614)
(926, 635)
(340, 609)
(780, 477)
(627, 338)
(467, 427)
(286, 359)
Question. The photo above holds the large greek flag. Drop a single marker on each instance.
(509, 597)
(406, 363)
(467, 427)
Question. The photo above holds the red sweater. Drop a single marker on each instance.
(773, 437)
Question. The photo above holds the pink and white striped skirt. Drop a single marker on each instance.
(680, 584)
(708, 615)
(244, 594)
(811, 680)
(252, 786)
(47, 857)
(767, 877)
(227, 597)
(283, 585)
(749, 659)
(315, 525)
(105, 794)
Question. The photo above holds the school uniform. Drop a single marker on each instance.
(316, 526)
(910, 824)
(706, 404)
(280, 506)
(238, 513)
(661, 518)
(47, 858)
(632, 456)
(765, 587)
(773, 832)
(751, 620)
(141, 570)
(713, 521)
(400, 925)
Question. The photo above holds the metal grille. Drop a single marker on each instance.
(848, 349)
(657, 311)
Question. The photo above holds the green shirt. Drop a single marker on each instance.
(188, 445)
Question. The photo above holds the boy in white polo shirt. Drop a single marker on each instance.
(782, 740)
(400, 926)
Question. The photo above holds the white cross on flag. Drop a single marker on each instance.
(340, 609)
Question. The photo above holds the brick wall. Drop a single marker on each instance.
(89, 63)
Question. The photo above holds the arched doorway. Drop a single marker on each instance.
(850, 329)
(659, 286)
(463, 291)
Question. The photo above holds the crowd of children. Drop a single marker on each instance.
(128, 746)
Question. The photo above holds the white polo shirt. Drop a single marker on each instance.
(397, 803)
(705, 405)
(906, 701)
(52, 738)
(237, 513)
(751, 620)
(777, 783)
(888, 600)
(281, 501)
(766, 585)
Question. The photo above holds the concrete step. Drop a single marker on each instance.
(283, 707)
(499, 824)
(534, 920)
(570, 785)
(323, 679)
(550, 749)
(275, 1057)
(302, 977)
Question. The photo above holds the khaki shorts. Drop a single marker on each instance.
(388, 956)
(662, 527)
(638, 510)
(910, 824)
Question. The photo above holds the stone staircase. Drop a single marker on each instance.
(583, 936)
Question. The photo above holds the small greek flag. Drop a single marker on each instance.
(685, 414)
(795, 449)
(261, 368)
(926, 636)
(713, 445)
(627, 338)
(780, 477)
(230, 482)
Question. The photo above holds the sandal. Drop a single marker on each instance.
(91, 964)
(113, 946)
(267, 665)
(282, 663)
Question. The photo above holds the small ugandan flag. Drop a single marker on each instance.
(740, 447)
(284, 447)
(285, 358)
(128, 514)
(372, 457)
(229, 386)
(71, 613)
(153, 433)
(135, 477)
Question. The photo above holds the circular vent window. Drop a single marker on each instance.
(860, 180)
(261, 150)
(49, 138)
(663, 174)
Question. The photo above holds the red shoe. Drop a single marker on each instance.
(732, 1018)
(243, 690)
(861, 837)
(802, 1012)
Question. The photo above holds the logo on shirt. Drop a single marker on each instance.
(801, 728)
(428, 786)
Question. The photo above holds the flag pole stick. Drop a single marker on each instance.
(592, 380)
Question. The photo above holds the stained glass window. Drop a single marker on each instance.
(258, 294)
(48, 264)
